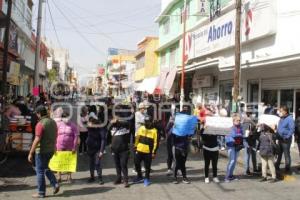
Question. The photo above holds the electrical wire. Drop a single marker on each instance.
(78, 32)
(52, 21)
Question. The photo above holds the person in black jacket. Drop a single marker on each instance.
(120, 133)
(95, 146)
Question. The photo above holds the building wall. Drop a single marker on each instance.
(151, 59)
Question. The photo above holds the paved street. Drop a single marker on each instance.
(20, 183)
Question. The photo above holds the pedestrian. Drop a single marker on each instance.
(266, 142)
(297, 130)
(67, 137)
(95, 147)
(44, 147)
(145, 150)
(210, 155)
(234, 143)
(286, 130)
(120, 133)
(140, 116)
(84, 118)
(250, 145)
(170, 158)
(180, 152)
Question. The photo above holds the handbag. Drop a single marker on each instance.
(275, 147)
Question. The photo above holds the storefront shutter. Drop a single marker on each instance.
(281, 83)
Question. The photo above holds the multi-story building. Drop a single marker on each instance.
(22, 47)
(120, 67)
(147, 72)
(62, 56)
(269, 52)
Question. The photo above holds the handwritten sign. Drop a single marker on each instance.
(218, 125)
(63, 161)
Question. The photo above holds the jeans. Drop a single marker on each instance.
(147, 158)
(211, 156)
(42, 169)
(121, 160)
(95, 164)
(250, 153)
(170, 153)
(285, 146)
(82, 145)
(232, 155)
(180, 157)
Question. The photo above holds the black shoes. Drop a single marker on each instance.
(264, 179)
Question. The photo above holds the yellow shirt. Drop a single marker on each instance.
(146, 140)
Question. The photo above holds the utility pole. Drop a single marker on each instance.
(120, 58)
(38, 43)
(5, 59)
(237, 68)
(183, 56)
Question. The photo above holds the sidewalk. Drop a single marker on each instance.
(294, 155)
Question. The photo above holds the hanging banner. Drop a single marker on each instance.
(63, 161)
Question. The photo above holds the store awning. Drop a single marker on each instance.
(149, 85)
(169, 81)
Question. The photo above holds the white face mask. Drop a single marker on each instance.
(65, 120)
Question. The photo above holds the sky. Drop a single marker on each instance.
(87, 28)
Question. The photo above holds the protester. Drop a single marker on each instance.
(67, 136)
(44, 148)
(250, 145)
(145, 145)
(83, 130)
(234, 143)
(120, 133)
(180, 152)
(170, 158)
(286, 130)
(266, 141)
(297, 131)
(95, 147)
(211, 155)
(140, 116)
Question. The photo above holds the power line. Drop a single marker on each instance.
(78, 32)
(52, 21)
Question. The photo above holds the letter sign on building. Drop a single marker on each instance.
(203, 7)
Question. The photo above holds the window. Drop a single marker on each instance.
(163, 60)
(166, 26)
(270, 97)
(253, 91)
(173, 52)
(287, 99)
(226, 93)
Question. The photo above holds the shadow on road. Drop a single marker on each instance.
(84, 191)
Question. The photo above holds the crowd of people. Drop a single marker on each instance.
(142, 134)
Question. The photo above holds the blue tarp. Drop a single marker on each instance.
(184, 124)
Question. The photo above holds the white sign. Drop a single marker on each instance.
(200, 81)
(203, 7)
(257, 21)
(218, 125)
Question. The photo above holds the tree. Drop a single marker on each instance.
(52, 75)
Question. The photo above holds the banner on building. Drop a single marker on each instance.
(218, 125)
(63, 161)
(13, 74)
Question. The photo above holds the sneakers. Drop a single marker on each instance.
(169, 172)
(143, 169)
(100, 181)
(264, 179)
(175, 181)
(91, 180)
(273, 180)
(186, 181)
(233, 178)
(56, 189)
(216, 180)
(118, 181)
(206, 180)
(138, 180)
(146, 182)
(126, 184)
(227, 180)
(134, 171)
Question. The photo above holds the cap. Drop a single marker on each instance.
(142, 105)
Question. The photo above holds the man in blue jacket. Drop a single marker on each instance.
(286, 129)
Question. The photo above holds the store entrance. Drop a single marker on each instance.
(297, 104)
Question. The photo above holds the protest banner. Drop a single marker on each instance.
(270, 120)
(63, 161)
(184, 124)
(218, 125)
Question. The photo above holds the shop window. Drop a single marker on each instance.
(270, 97)
(253, 91)
(287, 99)
(226, 93)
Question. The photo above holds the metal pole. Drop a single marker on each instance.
(38, 43)
(236, 83)
(5, 59)
(183, 57)
(120, 75)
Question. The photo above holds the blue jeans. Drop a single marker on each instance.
(232, 155)
(42, 169)
(250, 153)
(95, 164)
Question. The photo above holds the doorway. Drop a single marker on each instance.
(297, 104)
